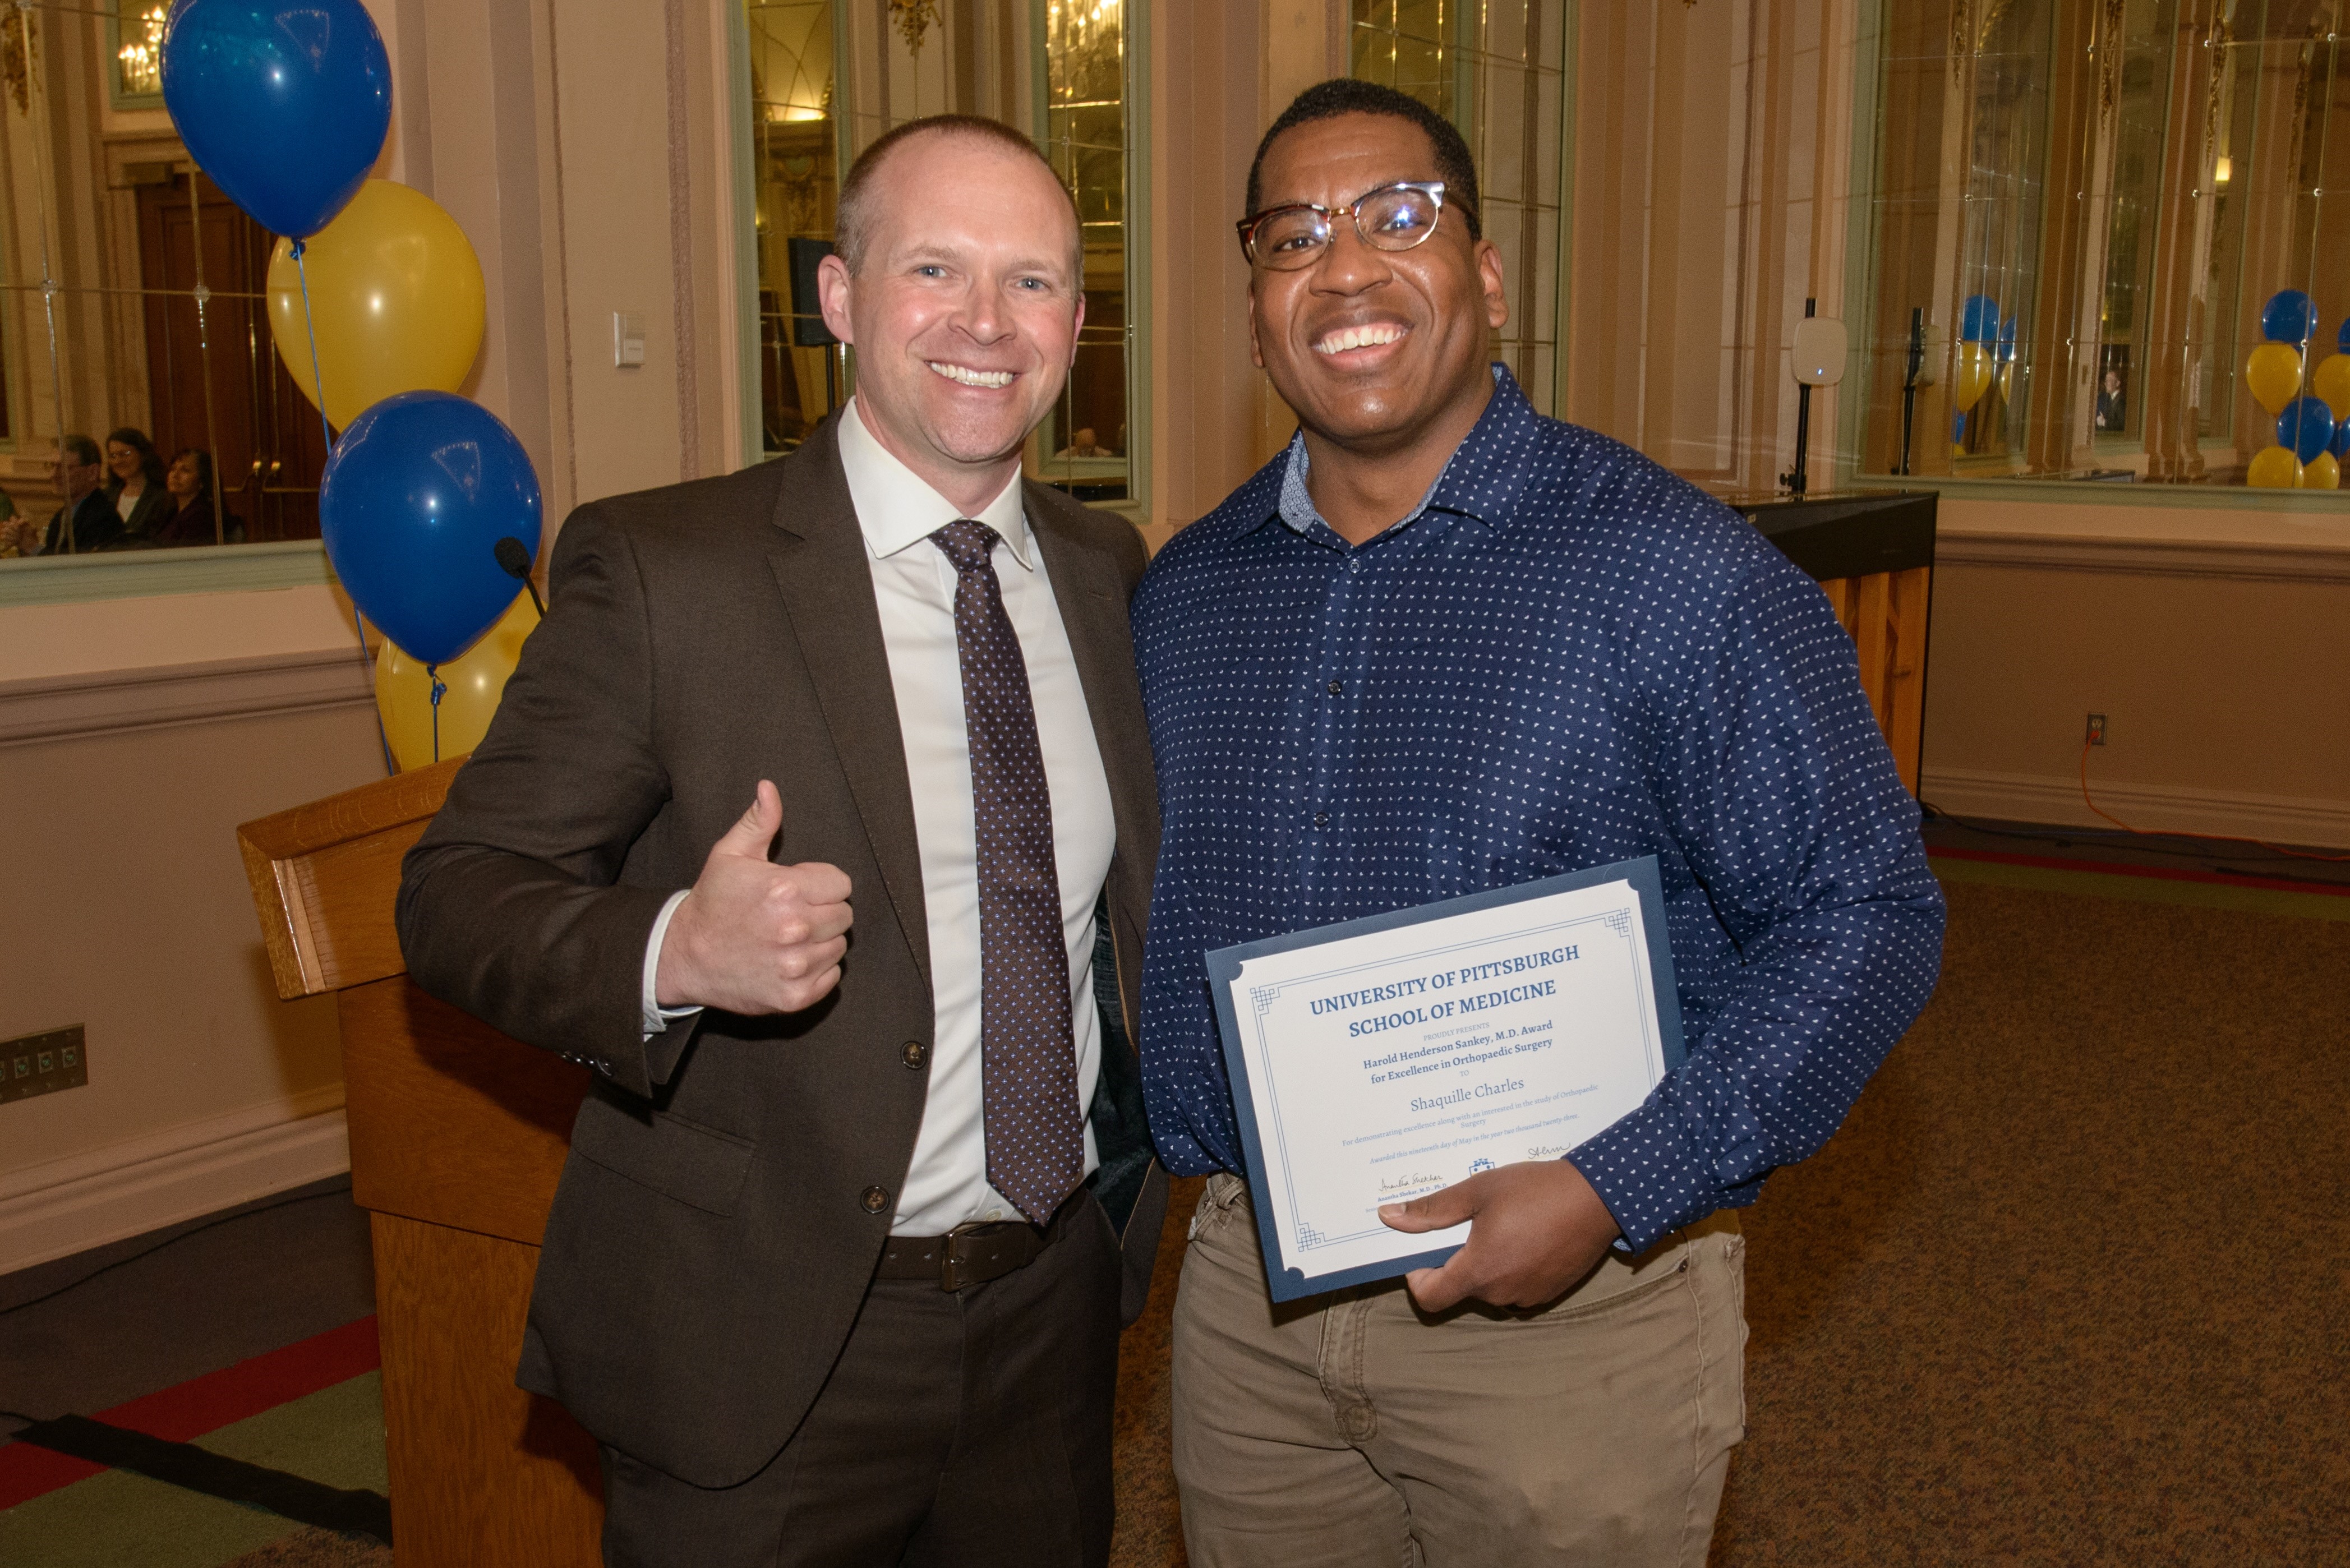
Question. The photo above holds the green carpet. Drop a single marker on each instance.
(116, 1520)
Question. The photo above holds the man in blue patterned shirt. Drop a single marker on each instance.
(1444, 644)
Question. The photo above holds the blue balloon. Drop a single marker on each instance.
(412, 504)
(2289, 316)
(1979, 321)
(2306, 425)
(2342, 337)
(2341, 443)
(284, 103)
(2005, 351)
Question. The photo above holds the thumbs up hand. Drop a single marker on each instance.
(753, 936)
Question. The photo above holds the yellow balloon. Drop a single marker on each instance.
(2332, 382)
(2272, 371)
(1974, 377)
(396, 302)
(2274, 468)
(2321, 473)
(476, 678)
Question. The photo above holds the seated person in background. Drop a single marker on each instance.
(1085, 443)
(188, 483)
(95, 523)
(20, 534)
(135, 486)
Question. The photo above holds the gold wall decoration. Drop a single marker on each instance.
(914, 18)
(19, 50)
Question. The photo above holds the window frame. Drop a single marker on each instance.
(121, 101)
(1863, 276)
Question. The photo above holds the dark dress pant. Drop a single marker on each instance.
(963, 1428)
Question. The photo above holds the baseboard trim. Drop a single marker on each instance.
(85, 1200)
(2028, 797)
(108, 703)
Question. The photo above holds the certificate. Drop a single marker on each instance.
(1380, 1060)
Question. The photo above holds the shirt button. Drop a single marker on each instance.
(914, 1054)
(1321, 819)
(875, 1200)
(1338, 687)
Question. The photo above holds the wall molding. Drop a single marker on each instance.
(84, 1200)
(110, 702)
(2208, 559)
(2031, 797)
(145, 574)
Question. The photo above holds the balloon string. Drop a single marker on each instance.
(433, 673)
(326, 433)
(302, 271)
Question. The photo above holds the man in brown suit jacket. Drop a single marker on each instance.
(837, 1263)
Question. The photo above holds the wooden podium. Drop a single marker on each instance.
(458, 1134)
(1873, 555)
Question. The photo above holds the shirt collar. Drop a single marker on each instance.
(1480, 480)
(897, 509)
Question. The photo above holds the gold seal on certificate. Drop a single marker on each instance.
(1380, 1059)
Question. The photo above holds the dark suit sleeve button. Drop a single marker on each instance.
(875, 1200)
(915, 1055)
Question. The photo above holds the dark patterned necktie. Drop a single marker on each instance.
(1036, 1134)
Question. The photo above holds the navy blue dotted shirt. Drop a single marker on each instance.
(1566, 657)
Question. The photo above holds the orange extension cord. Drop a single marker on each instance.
(2213, 837)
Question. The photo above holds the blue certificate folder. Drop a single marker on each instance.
(1224, 969)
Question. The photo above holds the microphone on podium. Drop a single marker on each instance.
(516, 562)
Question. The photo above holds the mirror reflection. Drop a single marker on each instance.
(2083, 218)
(142, 405)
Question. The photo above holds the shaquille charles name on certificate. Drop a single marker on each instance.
(1380, 1060)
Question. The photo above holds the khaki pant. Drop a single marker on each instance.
(1351, 1431)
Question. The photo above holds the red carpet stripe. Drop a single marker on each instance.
(2160, 873)
(188, 1410)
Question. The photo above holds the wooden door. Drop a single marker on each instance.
(268, 447)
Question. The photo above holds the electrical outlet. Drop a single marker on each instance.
(2097, 729)
(42, 1063)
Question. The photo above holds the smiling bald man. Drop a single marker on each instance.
(818, 822)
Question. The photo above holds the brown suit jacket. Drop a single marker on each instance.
(715, 1232)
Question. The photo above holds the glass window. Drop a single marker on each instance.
(131, 316)
(1495, 69)
(796, 179)
(2081, 292)
(136, 34)
(1056, 69)
(1999, 216)
(1086, 443)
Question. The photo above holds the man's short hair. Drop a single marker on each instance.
(853, 218)
(1347, 95)
(84, 450)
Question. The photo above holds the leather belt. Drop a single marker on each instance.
(976, 1253)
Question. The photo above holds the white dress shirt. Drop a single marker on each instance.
(913, 588)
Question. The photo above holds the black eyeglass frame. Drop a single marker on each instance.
(1247, 227)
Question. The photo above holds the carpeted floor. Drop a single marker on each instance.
(2069, 1287)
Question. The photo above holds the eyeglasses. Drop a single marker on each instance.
(1392, 218)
